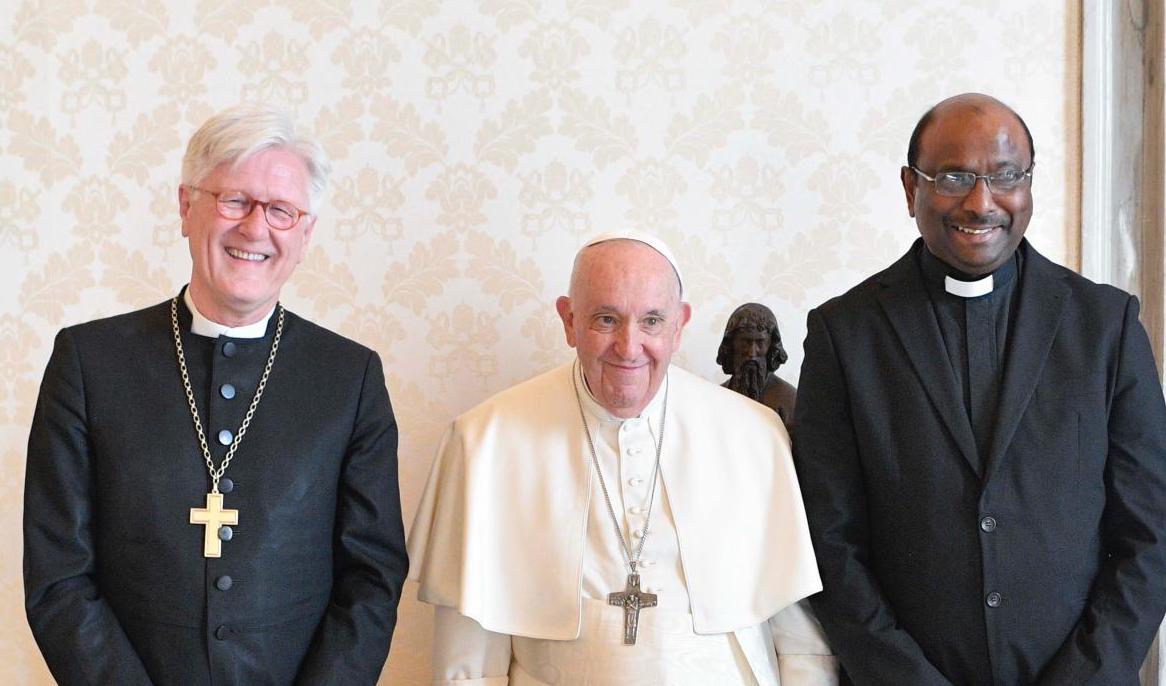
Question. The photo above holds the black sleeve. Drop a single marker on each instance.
(370, 561)
(77, 631)
(858, 621)
(1128, 597)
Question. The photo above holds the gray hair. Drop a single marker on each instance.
(238, 133)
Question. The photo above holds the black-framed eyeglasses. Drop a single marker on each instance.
(279, 214)
(957, 184)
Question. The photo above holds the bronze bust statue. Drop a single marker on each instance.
(750, 353)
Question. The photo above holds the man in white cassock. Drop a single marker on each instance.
(617, 519)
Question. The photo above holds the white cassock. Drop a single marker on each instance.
(514, 544)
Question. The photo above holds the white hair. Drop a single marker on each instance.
(238, 133)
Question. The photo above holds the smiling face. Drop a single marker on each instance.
(978, 232)
(624, 318)
(239, 265)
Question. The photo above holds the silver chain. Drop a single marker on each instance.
(217, 474)
(632, 558)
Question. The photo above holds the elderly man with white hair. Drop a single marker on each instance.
(618, 520)
(211, 493)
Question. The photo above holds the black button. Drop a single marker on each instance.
(222, 632)
(994, 599)
(229, 348)
(225, 437)
(226, 485)
(225, 534)
(988, 523)
(227, 391)
(224, 583)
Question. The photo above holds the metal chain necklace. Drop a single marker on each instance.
(213, 517)
(631, 599)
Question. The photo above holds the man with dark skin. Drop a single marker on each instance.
(750, 353)
(982, 441)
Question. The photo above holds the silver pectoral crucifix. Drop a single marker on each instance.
(632, 599)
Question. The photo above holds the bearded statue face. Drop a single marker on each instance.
(750, 362)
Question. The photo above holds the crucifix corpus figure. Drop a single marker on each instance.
(632, 600)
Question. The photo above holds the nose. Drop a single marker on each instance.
(254, 226)
(628, 342)
(755, 349)
(979, 200)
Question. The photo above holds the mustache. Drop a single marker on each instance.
(749, 378)
(977, 219)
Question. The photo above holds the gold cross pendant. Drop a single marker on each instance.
(213, 516)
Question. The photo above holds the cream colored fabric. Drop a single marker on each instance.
(626, 450)
(465, 653)
(667, 652)
(501, 530)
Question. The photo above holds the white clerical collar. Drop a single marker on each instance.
(968, 289)
(201, 326)
(594, 409)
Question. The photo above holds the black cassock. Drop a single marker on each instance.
(117, 589)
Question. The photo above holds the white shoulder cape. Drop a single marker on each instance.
(500, 531)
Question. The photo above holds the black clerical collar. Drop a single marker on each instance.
(945, 278)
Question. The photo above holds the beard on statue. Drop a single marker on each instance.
(749, 378)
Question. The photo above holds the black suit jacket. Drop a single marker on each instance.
(117, 590)
(1043, 561)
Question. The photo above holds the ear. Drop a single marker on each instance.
(563, 306)
(183, 207)
(910, 183)
(308, 228)
(685, 315)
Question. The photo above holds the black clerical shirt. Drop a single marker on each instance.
(975, 333)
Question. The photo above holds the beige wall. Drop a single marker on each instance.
(475, 146)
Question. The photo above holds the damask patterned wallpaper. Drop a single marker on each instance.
(476, 144)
